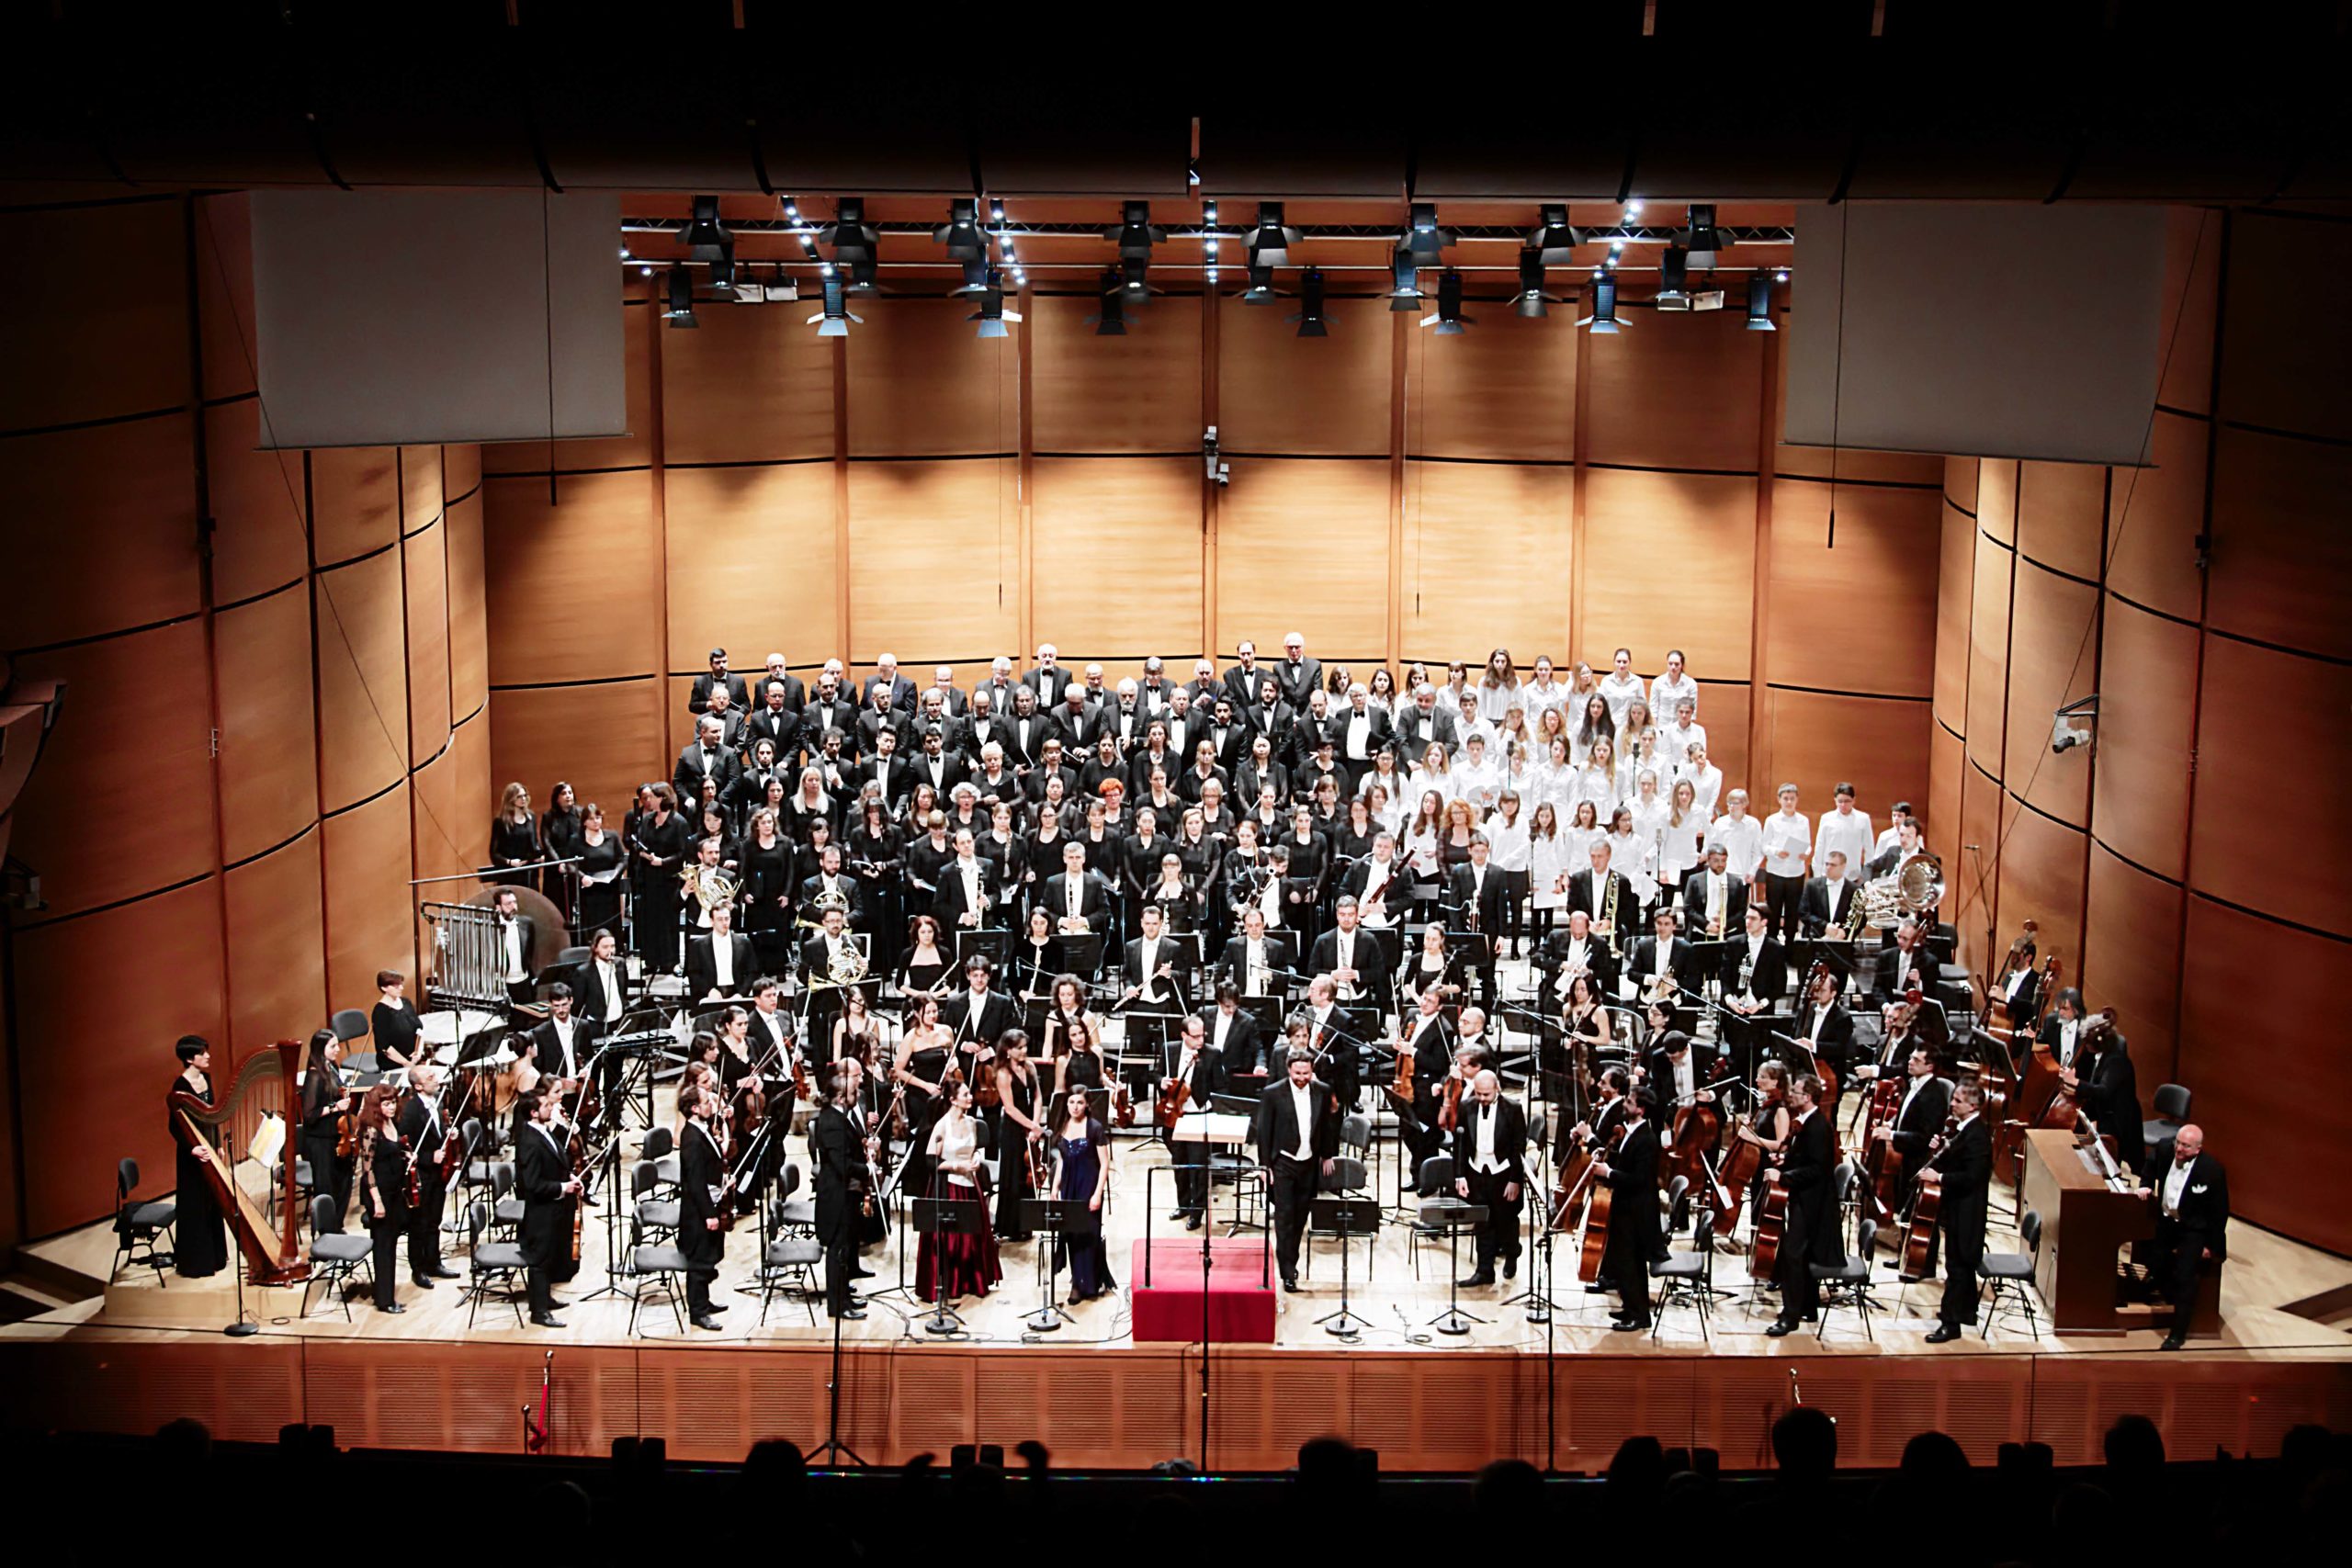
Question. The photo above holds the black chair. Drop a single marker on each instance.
(2172, 1113)
(1346, 1180)
(137, 1225)
(1687, 1277)
(660, 1146)
(789, 1256)
(796, 1214)
(2010, 1275)
(1437, 1215)
(659, 1217)
(650, 1261)
(348, 1025)
(335, 1256)
(494, 1264)
(505, 1209)
(1854, 1274)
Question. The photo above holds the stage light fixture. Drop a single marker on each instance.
(1449, 320)
(1423, 237)
(1759, 304)
(1404, 287)
(1132, 279)
(835, 319)
(1531, 299)
(992, 315)
(1673, 277)
(849, 233)
(1261, 285)
(1703, 239)
(703, 233)
(1309, 314)
(1270, 240)
(1135, 233)
(961, 233)
(625, 253)
(678, 291)
(1604, 307)
(1112, 320)
(1633, 207)
(975, 279)
(1554, 238)
(861, 277)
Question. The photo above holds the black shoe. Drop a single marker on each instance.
(2174, 1342)
(861, 1273)
(395, 1307)
(1510, 1268)
(716, 1307)
(546, 1320)
(852, 1313)
(1474, 1280)
(1629, 1325)
(1596, 1290)
(1191, 1222)
(707, 1322)
(1290, 1283)
(1809, 1317)
(1182, 1214)
(420, 1281)
(1780, 1325)
(1945, 1334)
(439, 1271)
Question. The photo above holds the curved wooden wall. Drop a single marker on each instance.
(1395, 495)
(239, 890)
(2202, 598)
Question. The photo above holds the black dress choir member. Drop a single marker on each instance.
(326, 1099)
(382, 1163)
(543, 1176)
(392, 1022)
(1020, 1118)
(200, 1242)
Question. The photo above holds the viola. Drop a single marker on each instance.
(1449, 1115)
(1123, 1106)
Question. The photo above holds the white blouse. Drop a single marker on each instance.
(954, 1142)
(1506, 842)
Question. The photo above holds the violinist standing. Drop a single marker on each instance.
(1194, 1064)
(1964, 1157)
(543, 1176)
(424, 1129)
(702, 1195)
(840, 1145)
(384, 1163)
(1812, 1233)
(1630, 1170)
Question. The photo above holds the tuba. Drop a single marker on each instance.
(1914, 887)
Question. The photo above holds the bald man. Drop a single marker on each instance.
(2191, 1193)
(1490, 1170)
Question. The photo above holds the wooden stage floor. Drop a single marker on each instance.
(131, 1359)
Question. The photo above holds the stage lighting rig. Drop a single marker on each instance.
(1553, 238)
(848, 234)
(1531, 299)
(1112, 320)
(1309, 314)
(1423, 237)
(1604, 305)
(961, 233)
(1270, 240)
(1449, 320)
(1135, 233)
(1759, 304)
(835, 319)
(678, 292)
(1405, 285)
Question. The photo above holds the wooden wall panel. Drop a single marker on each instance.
(2053, 661)
(1960, 483)
(2146, 712)
(572, 586)
(2282, 556)
(1997, 499)
(1280, 392)
(1989, 655)
(103, 523)
(469, 745)
(468, 608)
(1947, 767)
(1285, 525)
(2155, 514)
(934, 560)
(2273, 1098)
(363, 679)
(2061, 509)
(751, 565)
(276, 969)
(1859, 613)
(1955, 581)
(2042, 876)
(121, 804)
(2247, 691)
(92, 1048)
(1116, 566)
(1676, 393)
(354, 501)
(634, 450)
(1722, 708)
(1975, 876)
(607, 739)
(1879, 744)
(435, 808)
(460, 472)
(1669, 562)
(1139, 392)
(102, 331)
(923, 384)
(420, 489)
(2131, 961)
(427, 592)
(260, 541)
(269, 779)
(746, 386)
(2191, 292)
(1485, 566)
(1505, 389)
(2283, 340)
(224, 292)
(365, 853)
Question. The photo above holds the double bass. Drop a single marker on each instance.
(1926, 1200)
(1771, 1224)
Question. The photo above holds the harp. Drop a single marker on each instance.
(250, 1126)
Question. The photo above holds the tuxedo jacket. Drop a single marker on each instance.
(1240, 1052)
(903, 692)
(1680, 962)
(686, 778)
(1837, 1043)
(1078, 730)
(953, 896)
(1817, 911)
(1297, 681)
(1024, 740)
(1552, 956)
(872, 721)
(2204, 1202)
(700, 1174)
(1415, 731)
(1966, 1165)
(1890, 959)
(772, 1034)
(546, 1048)
(702, 966)
(1922, 1121)
(1173, 990)
(1808, 1173)
(841, 881)
(1093, 898)
(424, 1127)
(1768, 979)
(1277, 1126)
(1511, 1138)
(987, 1022)
(814, 716)
(589, 1001)
(738, 692)
(782, 727)
(1464, 894)
(1207, 1077)
(1233, 965)
(1632, 1193)
(1396, 893)
(1694, 905)
(540, 1171)
(1374, 974)
(898, 780)
(1380, 731)
(1584, 892)
(796, 695)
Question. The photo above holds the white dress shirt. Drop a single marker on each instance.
(510, 934)
(1664, 693)
(1787, 836)
(1483, 1159)
(608, 976)
(1305, 1109)
(1620, 693)
(1848, 833)
(1743, 841)
(1911, 1094)
(722, 955)
(2175, 1183)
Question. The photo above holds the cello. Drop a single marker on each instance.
(1771, 1225)
(1878, 1157)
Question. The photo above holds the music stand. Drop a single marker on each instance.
(1268, 1012)
(1344, 1218)
(1081, 955)
(1457, 1213)
(943, 1217)
(1476, 955)
(1044, 1218)
(992, 944)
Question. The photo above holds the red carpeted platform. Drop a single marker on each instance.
(1241, 1291)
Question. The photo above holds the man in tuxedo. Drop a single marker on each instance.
(1361, 731)
(1572, 949)
(940, 767)
(1050, 761)
(825, 946)
(2062, 1028)
(1233, 1033)
(2191, 1193)
(1187, 1060)
(1074, 894)
(1715, 901)
(1827, 1028)
(887, 678)
(1155, 691)
(826, 712)
(561, 1046)
(772, 1026)
(424, 1127)
(1423, 724)
(720, 964)
(1381, 886)
(1126, 719)
(1048, 678)
(998, 688)
(1243, 680)
(1919, 1120)
(698, 700)
(1253, 961)
(1312, 727)
(1635, 1235)
(1589, 890)
(733, 719)
(1807, 1170)
(515, 933)
(1297, 675)
(833, 881)
(1905, 963)
(1965, 1162)
(796, 695)
(1490, 1170)
(1663, 956)
(775, 722)
(1830, 899)
(967, 888)
(1754, 974)
(877, 718)
(1077, 721)
(702, 1195)
(953, 703)
(601, 985)
(708, 757)
(978, 1016)
(1026, 731)
(1476, 900)
(2108, 1089)
(1297, 1138)
(883, 767)
(1671, 1073)
(543, 1177)
(1152, 967)
(839, 1149)
(1358, 965)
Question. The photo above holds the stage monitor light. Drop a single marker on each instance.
(678, 291)
(1261, 285)
(703, 233)
(1530, 299)
(1135, 233)
(1703, 239)
(1423, 237)
(1674, 277)
(1405, 292)
(1112, 321)
(834, 320)
(1309, 314)
(1449, 320)
(849, 233)
(1604, 307)
(1759, 304)
(961, 233)
(1553, 238)
(1270, 240)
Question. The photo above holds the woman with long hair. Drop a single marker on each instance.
(1434, 772)
(661, 847)
(808, 805)
(1631, 855)
(514, 838)
(1453, 844)
(1583, 831)
(963, 1263)
(1596, 780)
(1547, 869)
(1020, 1127)
(1381, 690)
(927, 962)
(1083, 1182)
(1768, 1127)
(1637, 723)
(382, 1161)
(1424, 852)
(1685, 837)
(854, 1032)
(559, 837)
(1425, 967)
(870, 851)
(1497, 684)
(767, 892)
(604, 865)
(1509, 851)
(1594, 726)
(923, 1067)
(1034, 962)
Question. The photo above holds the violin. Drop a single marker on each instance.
(1122, 1105)
(1172, 1096)
(1449, 1114)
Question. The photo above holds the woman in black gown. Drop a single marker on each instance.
(921, 1067)
(767, 892)
(200, 1242)
(1034, 962)
(382, 1162)
(1020, 1126)
(661, 851)
(1082, 1180)
(926, 961)
(559, 828)
(870, 854)
(601, 856)
(514, 838)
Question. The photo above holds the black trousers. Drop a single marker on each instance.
(699, 1275)
(1963, 1249)
(841, 1262)
(1192, 1163)
(1782, 895)
(542, 1291)
(328, 1174)
(2179, 1267)
(1626, 1267)
(1800, 1293)
(1292, 1193)
(386, 1233)
(424, 1225)
(1499, 1235)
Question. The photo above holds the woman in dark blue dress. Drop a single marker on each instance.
(1083, 1180)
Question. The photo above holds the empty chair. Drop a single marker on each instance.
(789, 1256)
(2172, 1113)
(335, 1254)
(1346, 1180)
(506, 1210)
(658, 1215)
(1435, 1217)
(348, 1025)
(1685, 1276)
(2010, 1274)
(662, 1148)
(1854, 1274)
(137, 1225)
(648, 1262)
(794, 1213)
(495, 1264)
(1355, 1133)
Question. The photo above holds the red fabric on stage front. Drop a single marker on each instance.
(1241, 1298)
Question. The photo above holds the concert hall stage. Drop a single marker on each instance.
(1099, 1401)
